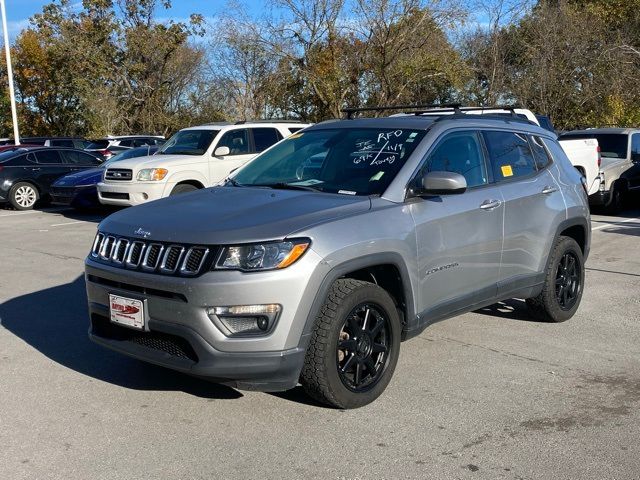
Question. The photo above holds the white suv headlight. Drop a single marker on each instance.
(262, 256)
(152, 174)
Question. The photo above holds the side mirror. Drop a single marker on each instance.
(221, 152)
(635, 157)
(443, 183)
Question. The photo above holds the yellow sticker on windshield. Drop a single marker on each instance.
(295, 135)
(507, 171)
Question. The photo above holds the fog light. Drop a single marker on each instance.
(243, 320)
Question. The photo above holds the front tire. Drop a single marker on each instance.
(354, 346)
(563, 285)
(183, 188)
(23, 196)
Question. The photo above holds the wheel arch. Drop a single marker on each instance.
(387, 270)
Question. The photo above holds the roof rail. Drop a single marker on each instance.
(462, 109)
(279, 120)
(351, 110)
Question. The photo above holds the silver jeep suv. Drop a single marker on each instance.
(316, 259)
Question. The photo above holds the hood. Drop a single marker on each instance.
(85, 177)
(158, 161)
(231, 215)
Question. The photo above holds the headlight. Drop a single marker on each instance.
(152, 174)
(262, 256)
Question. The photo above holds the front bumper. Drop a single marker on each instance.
(130, 193)
(181, 336)
(85, 196)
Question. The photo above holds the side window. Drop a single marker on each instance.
(294, 129)
(48, 156)
(539, 152)
(236, 140)
(141, 142)
(460, 152)
(126, 143)
(79, 158)
(556, 150)
(61, 143)
(263, 138)
(635, 147)
(510, 155)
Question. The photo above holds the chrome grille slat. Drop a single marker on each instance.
(150, 257)
(120, 250)
(194, 260)
(171, 258)
(134, 257)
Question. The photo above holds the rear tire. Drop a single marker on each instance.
(616, 202)
(354, 346)
(183, 188)
(23, 196)
(563, 284)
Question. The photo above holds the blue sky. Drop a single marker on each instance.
(19, 11)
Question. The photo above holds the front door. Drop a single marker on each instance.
(459, 236)
(240, 152)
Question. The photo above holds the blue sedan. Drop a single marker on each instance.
(79, 191)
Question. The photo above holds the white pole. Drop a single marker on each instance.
(12, 95)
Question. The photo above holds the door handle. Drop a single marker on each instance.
(547, 190)
(490, 204)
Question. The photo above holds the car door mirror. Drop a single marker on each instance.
(221, 152)
(442, 183)
(635, 157)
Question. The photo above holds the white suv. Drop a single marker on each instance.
(193, 158)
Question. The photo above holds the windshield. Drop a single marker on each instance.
(346, 161)
(188, 142)
(612, 145)
(97, 145)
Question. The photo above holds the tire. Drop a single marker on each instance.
(183, 188)
(23, 196)
(616, 202)
(563, 286)
(346, 365)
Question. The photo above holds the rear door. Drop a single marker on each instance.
(49, 167)
(79, 160)
(240, 152)
(533, 202)
(459, 236)
(633, 174)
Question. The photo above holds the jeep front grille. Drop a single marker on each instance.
(151, 257)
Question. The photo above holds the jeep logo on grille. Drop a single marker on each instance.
(142, 233)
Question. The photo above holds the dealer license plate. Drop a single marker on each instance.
(126, 311)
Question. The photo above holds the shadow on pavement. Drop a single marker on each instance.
(513, 309)
(54, 321)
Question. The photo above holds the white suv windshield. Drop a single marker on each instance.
(351, 161)
(188, 142)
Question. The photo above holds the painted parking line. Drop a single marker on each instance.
(67, 223)
(614, 224)
(49, 210)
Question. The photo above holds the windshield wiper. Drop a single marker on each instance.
(287, 186)
(231, 181)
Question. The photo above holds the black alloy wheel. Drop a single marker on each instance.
(568, 281)
(363, 347)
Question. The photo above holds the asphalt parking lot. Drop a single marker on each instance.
(489, 394)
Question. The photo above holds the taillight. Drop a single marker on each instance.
(106, 154)
(599, 156)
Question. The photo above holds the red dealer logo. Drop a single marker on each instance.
(125, 309)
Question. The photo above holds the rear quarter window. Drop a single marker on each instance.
(510, 155)
(540, 154)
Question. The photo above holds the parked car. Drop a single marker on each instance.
(315, 274)
(69, 142)
(10, 147)
(26, 174)
(79, 189)
(620, 168)
(109, 146)
(193, 158)
(584, 154)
